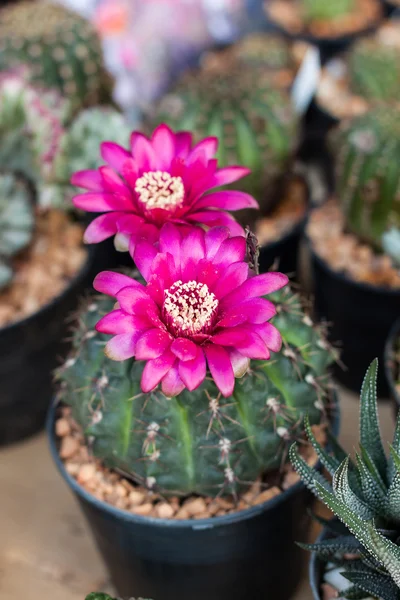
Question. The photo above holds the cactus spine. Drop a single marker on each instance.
(368, 169)
(61, 48)
(198, 442)
(234, 99)
(16, 223)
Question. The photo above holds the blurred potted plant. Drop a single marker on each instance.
(392, 364)
(241, 94)
(354, 241)
(173, 434)
(359, 556)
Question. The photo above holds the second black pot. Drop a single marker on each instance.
(389, 364)
(283, 253)
(249, 554)
(360, 318)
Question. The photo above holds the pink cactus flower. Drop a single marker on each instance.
(164, 178)
(201, 305)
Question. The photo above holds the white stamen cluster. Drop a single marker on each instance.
(190, 306)
(159, 189)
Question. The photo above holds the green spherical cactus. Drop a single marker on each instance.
(198, 442)
(263, 49)
(367, 150)
(256, 123)
(16, 223)
(326, 10)
(374, 70)
(61, 48)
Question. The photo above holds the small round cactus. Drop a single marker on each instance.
(374, 70)
(325, 10)
(61, 48)
(16, 222)
(255, 122)
(368, 172)
(198, 442)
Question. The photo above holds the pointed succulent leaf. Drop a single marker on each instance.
(354, 593)
(344, 492)
(393, 499)
(331, 463)
(308, 475)
(387, 552)
(375, 584)
(370, 435)
(328, 548)
(369, 463)
(394, 460)
(373, 494)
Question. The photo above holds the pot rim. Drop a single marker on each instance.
(342, 277)
(199, 524)
(394, 331)
(77, 278)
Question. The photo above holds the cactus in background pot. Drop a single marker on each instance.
(61, 48)
(374, 69)
(235, 101)
(368, 172)
(16, 222)
(325, 10)
(365, 496)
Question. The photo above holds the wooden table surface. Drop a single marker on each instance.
(46, 552)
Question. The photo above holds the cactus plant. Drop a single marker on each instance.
(368, 172)
(16, 223)
(198, 441)
(61, 48)
(365, 496)
(373, 70)
(255, 122)
(323, 10)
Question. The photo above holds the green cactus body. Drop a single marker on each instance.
(368, 172)
(16, 223)
(255, 123)
(61, 48)
(198, 442)
(326, 9)
(266, 50)
(374, 70)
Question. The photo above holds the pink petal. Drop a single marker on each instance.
(172, 384)
(114, 184)
(117, 321)
(89, 179)
(170, 241)
(129, 172)
(213, 240)
(255, 310)
(230, 251)
(155, 370)
(98, 202)
(233, 276)
(244, 339)
(184, 349)
(110, 283)
(208, 273)
(240, 363)
(130, 224)
(208, 147)
(142, 152)
(259, 285)
(216, 218)
(102, 228)
(270, 335)
(221, 369)
(163, 141)
(183, 143)
(229, 175)
(122, 346)
(152, 344)
(144, 256)
(192, 250)
(227, 200)
(129, 296)
(164, 269)
(193, 372)
(114, 155)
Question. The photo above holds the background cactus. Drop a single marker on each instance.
(365, 496)
(198, 442)
(323, 10)
(61, 48)
(367, 150)
(373, 69)
(16, 222)
(235, 100)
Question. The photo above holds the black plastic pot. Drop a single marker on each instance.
(389, 366)
(29, 351)
(283, 253)
(360, 318)
(249, 554)
(316, 568)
